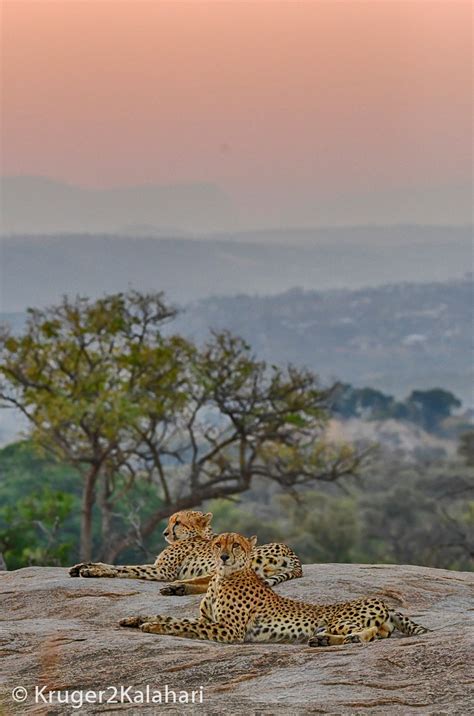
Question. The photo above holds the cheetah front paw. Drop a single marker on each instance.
(175, 589)
(320, 638)
(75, 571)
(352, 639)
(134, 622)
(90, 572)
(150, 628)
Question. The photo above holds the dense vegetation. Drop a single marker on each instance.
(418, 511)
(130, 422)
(398, 511)
(106, 393)
(40, 509)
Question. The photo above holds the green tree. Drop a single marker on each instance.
(84, 374)
(361, 402)
(26, 473)
(106, 392)
(242, 420)
(431, 407)
(32, 530)
(38, 508)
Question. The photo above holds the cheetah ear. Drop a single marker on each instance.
(253, 540)
(208, 517)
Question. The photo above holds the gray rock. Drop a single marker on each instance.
(62, 634)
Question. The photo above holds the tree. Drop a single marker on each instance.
(369, 403)
(38, 507)
(107, 392)
(82, 373)
(433, 406)
(32, 531)
(242, 420)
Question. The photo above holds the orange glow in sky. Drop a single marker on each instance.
(259, 97)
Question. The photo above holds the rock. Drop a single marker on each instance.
(63, 634)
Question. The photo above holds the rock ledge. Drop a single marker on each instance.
(62, 633)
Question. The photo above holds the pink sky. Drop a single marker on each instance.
(267, 99)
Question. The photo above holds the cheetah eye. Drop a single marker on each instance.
(236, 545)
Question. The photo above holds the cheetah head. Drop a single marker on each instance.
(188, 524)
(232, 552)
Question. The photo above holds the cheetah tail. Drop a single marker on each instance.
(406, 625)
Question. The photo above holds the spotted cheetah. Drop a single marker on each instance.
(188, 561)
(239, 606)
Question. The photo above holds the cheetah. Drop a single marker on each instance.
(188, 561)
(240, 607)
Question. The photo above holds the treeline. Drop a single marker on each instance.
(427, 408)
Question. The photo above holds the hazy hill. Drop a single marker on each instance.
(40, 205)
(396, 338)
(37, 270)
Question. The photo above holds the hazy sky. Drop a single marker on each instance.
(288, 106)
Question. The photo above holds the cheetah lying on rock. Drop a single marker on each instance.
(190, 559)
(239, 606)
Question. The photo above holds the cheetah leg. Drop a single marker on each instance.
(323, 637)
(198, 585)
(105, 570)
(365, 635)
(385, 631)
(137, 621)
(281, 571)
(280, 577)
(352, 633)
(189, 628)
(99, 569)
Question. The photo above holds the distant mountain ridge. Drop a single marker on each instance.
(37, 269)
(40, 205)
